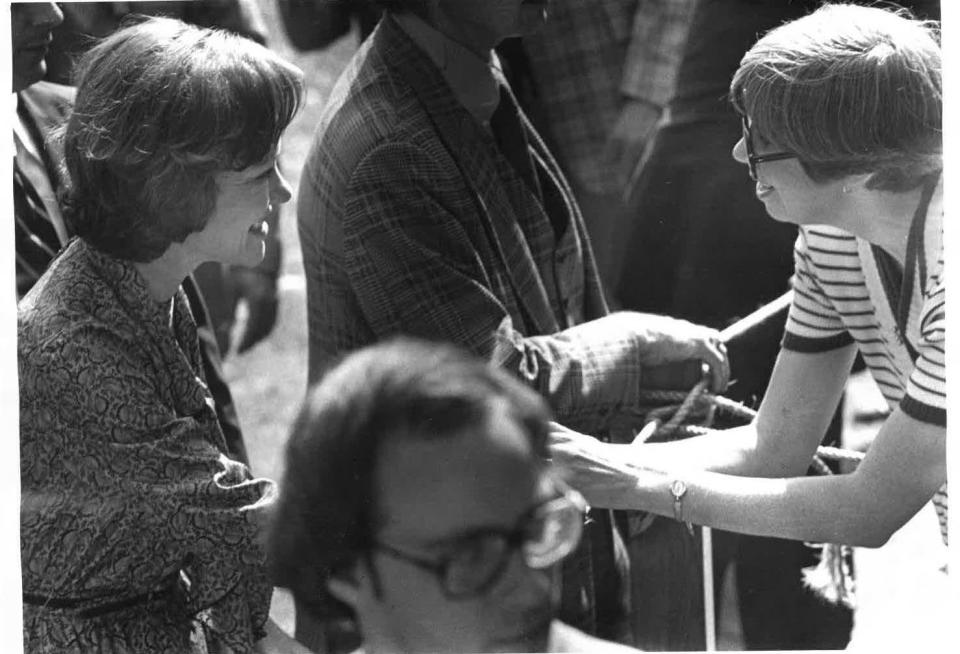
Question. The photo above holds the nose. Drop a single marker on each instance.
(740, 151)
(280, 191)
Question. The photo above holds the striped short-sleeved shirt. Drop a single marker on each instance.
(848, 290)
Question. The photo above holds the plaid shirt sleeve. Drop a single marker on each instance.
(659, 37)
(416, 270)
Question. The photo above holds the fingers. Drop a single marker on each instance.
(714, 354)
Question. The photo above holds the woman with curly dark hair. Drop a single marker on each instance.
(138, 533)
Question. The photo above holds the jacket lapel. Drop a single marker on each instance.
(576, 238)
(486, 172)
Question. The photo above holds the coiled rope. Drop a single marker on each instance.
(672, 415)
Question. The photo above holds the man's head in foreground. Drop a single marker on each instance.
(417, 494)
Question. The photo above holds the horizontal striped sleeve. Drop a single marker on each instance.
(813, 324)
(926, 396)
(940, 502)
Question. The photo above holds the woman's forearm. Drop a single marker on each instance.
(796, 410)
(836, 509)
(732, 452)
(902, 470)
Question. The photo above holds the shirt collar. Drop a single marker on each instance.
(470, 77)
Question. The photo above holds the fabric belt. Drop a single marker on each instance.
(173, 585)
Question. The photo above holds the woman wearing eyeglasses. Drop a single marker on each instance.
(842, 133)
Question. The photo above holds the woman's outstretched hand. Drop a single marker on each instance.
(602, 472)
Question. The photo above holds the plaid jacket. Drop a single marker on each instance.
(592, 55)
(412, 222)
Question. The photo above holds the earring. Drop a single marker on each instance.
(846, 189)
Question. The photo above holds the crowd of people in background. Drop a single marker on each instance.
(514, 217)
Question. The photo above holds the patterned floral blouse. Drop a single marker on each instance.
(137, 532)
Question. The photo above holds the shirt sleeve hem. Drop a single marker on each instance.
(797, 343)
(924, 412)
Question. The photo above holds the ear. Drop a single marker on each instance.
(856, 182)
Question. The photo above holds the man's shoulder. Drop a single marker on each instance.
(372, 113)
(370, 102)
(564, 638)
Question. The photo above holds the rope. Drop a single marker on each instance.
(671, 415)
(702, 405)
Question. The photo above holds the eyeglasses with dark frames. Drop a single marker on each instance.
(544, 536)
(752, 157)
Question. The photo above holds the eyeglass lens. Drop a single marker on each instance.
(549, 535)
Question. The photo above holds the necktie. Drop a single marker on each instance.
(511, 138)
(510, 133)
(35, 238)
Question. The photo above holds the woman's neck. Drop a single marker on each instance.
(164, 274)
(883, 218)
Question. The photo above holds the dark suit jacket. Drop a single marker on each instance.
(48, 105)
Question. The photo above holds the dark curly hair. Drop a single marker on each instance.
(161, 107)
(326, 516)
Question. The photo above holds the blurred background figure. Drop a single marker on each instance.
(224, 288)
(315, 24)
(418, 499)
(595, 80)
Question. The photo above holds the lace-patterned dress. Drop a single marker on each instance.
(137, 532)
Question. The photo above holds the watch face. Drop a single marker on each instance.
(678, 488)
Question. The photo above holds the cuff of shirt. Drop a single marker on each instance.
(797, 343)
(924, 412)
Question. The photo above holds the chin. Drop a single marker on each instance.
(250, 257)
(28, 73)
(776, 211)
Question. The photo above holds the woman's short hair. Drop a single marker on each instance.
(162, 107)
(849, 90)
(326, 516)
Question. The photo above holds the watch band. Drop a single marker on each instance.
(678, 489)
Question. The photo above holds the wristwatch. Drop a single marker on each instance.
(679, 489)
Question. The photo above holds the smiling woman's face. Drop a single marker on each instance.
(788, 193)
(236, 231)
